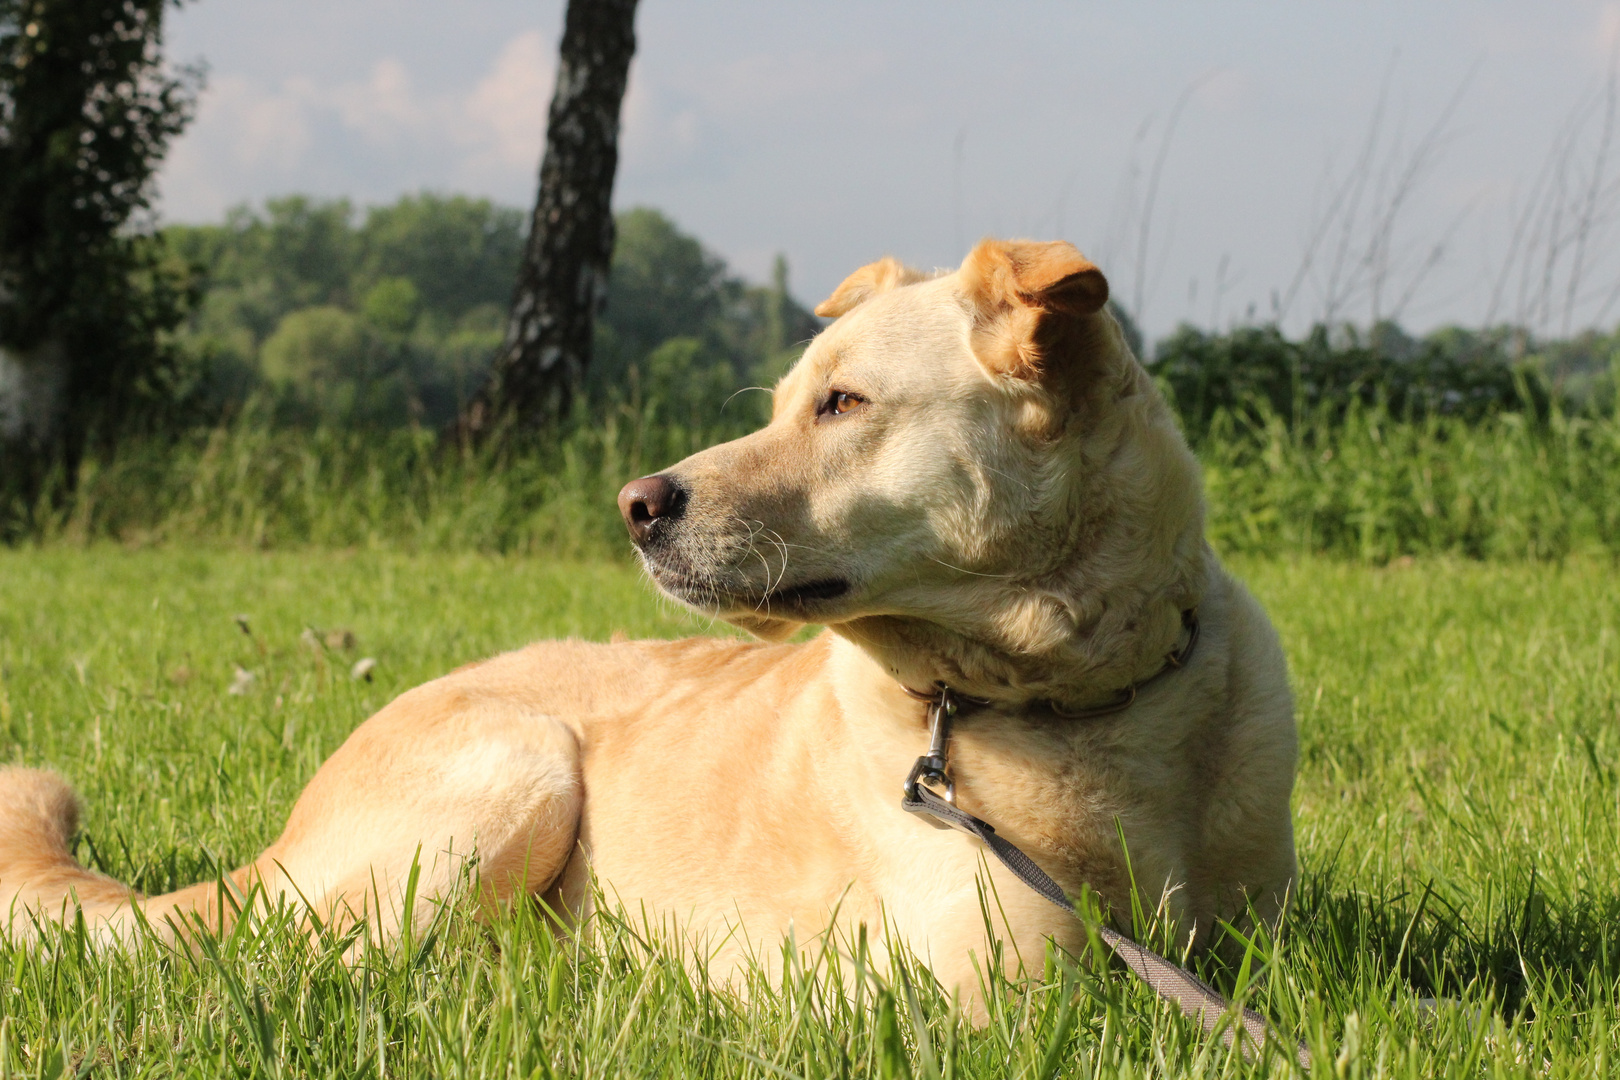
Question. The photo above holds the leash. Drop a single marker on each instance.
(1198, 1000)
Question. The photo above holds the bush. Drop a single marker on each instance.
(684, 384)
(316, 347)
(392, 305)
(1452, 372)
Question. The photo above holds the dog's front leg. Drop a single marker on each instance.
(441, 785)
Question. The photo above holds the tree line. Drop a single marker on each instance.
(394, 315)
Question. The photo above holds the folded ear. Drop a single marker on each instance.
(869, 281)
(1023, 293)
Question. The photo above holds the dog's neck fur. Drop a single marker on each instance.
(1125, 640)
(1108, 608)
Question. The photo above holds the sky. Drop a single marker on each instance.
(1222, 162)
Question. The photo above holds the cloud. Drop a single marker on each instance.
(509, 104)
(270, 129)
(385, 109)
(1608, 30)
(241, 131)
(1226, 90)
(662, 130)
(370, 138)
(698, 121)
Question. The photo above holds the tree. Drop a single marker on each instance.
(87, 109)
(564, 277)
(457, 251)
(665, 285)
(662, 285)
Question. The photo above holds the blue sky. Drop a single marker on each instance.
(836, 132)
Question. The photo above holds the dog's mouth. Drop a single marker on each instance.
(798, 596)
(703, 591)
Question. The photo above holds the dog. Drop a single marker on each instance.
(973, 485)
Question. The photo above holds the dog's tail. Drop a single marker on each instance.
(41, 881)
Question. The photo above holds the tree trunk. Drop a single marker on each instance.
(563, 280)
(32, 395)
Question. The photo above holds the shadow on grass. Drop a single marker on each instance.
(1443, 940)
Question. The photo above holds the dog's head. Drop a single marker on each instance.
(969, 474)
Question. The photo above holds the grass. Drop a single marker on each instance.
(1365, 485)
(250, 483)
(1373, 487)
(1458, 816)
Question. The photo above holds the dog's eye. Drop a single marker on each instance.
(839, 402)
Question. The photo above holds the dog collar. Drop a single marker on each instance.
(1173, 661)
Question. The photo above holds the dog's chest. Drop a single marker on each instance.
(1077, 796)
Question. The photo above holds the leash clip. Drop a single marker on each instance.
(931, 768)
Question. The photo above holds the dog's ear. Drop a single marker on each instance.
(869, 281)
(1023, 293)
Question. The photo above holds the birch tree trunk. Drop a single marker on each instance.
(563, 280)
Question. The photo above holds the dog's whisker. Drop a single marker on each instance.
(745, 390)
(781, 546)
(970, 573)
(757, 529)
(1028, 487)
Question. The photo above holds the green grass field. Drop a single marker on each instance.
(1458, 813)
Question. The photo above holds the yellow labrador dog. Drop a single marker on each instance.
(974, 485)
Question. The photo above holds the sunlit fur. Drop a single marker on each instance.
(1014, 506)
(1009, 509)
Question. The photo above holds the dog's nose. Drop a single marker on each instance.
(648, 500)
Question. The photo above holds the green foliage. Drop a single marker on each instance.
(392, 305)
(428, 279)
(458, 252)
(307, 247)
(689, 386)
(87, 108)
(330, 365)
(316, 346)
(258, 268)
(1362, 485)
(1456, 820)
(1452, 372)
(1369, 486)
(262, 484)
(666, 288)
(662, 285)
(380, 324)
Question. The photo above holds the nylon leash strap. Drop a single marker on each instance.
(1198, 1000)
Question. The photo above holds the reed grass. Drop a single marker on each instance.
(1373, 487)
(1360, 484)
